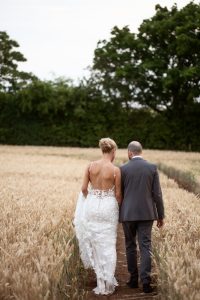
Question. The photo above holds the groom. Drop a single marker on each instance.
(142, 204)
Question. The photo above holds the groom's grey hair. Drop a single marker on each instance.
(135, 147)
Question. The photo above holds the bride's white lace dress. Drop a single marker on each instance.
(96, 219)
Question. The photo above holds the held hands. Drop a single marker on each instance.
(160, 223)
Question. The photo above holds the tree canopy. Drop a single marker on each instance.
(159, 67)
(11, 78)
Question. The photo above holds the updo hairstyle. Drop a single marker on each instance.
(107, 145)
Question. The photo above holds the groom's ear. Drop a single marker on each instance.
(129, 154)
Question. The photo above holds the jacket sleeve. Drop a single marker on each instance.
(157, 195)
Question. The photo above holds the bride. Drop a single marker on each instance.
(96, 217)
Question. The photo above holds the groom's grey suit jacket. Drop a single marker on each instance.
(142, 195)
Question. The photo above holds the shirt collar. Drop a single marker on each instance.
(136, 156)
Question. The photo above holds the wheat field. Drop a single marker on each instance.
(38, 193)
(38, 251)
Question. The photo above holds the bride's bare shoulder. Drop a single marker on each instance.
(95, 162)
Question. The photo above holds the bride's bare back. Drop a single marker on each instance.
(102, 175)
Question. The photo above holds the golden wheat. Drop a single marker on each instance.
(37, 202)
(39, 258)
(177, 245)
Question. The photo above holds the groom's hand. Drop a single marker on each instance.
(160, 223)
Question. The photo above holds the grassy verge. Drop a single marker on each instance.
(185, 179)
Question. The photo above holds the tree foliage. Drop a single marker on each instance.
(159, 67)
(11, 78)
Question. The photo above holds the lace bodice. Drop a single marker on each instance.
(102, 193)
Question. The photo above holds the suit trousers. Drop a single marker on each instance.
(141, 229)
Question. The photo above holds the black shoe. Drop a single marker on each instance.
(147, 288)
(132, 284)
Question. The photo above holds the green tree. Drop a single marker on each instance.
(11, 79)
(114, 67)
(159, 67)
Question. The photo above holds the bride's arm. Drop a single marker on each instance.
(118, 192)
(86, 180)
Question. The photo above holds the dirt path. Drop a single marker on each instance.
(122, 291)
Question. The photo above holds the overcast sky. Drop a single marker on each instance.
(59, 36)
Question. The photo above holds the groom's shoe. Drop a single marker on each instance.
(133, 284)
(147, 288)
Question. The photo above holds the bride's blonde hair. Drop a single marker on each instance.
(107, 145)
